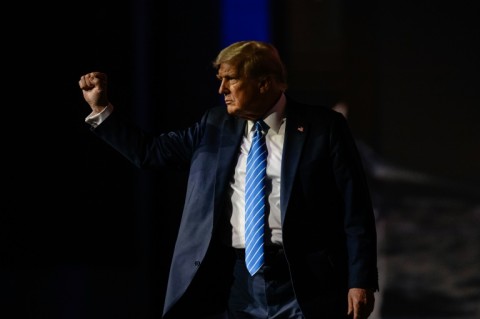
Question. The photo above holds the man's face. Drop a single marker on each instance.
(242, 95)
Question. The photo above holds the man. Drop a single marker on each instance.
(319, 247)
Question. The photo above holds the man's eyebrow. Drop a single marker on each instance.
(227, 76)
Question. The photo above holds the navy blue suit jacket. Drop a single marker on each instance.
(328, 222)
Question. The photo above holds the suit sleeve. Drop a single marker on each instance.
(359, 218)
(166, 150)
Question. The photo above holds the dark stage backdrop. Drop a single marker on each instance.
(85, 234)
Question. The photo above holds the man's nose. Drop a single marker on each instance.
(222, 89)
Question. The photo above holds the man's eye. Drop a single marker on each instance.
(227, 79)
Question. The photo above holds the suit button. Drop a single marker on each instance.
(197, 263)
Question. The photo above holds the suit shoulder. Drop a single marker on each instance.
(215, 114)
(217, 111)
(312, 111)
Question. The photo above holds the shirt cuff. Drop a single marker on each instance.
(95, 119)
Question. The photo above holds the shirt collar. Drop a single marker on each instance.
(275, 116)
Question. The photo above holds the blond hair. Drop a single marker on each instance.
(253, 59)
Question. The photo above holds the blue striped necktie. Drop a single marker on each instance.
(255, 200)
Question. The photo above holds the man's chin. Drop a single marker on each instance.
(232, 110)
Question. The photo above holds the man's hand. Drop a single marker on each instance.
(360, 303)
(94, 89)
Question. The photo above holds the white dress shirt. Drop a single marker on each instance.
(274, 140)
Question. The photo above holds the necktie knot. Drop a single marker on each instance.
(261, 127)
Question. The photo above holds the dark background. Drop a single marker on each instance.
(83, 234)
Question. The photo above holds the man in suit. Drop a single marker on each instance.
(319, 247)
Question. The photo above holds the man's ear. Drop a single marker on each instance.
(264, 84)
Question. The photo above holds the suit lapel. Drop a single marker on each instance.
(232, 132)
(296, 131)
(231, 137)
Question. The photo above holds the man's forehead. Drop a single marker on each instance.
(227, 69)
